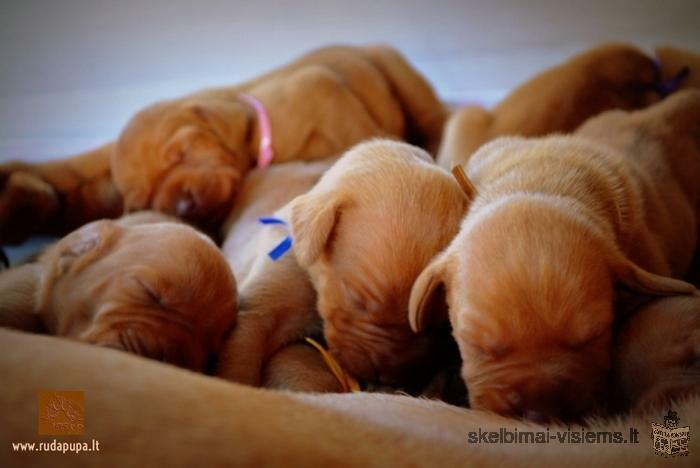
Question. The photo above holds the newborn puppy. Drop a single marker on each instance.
(610, 76)
(656, 357)
(187, 156)
(360, 238)
(143, 284)
(557, 224)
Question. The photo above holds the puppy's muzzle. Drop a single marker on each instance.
(141, 341)
(390, 359)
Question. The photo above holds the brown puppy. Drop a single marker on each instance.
(656, 357)
(360, 238)
(187, 156)
(610, 76)
(144, 284)
(234, 425)
(557, 223)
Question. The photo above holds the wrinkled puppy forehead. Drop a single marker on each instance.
(174, 246)
(374, 158)
(175, 262)
(145, 125)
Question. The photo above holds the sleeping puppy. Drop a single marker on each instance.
(360, 238)
(656, 357)
(187, 156)
(143, 284)
(557, 224)
(610, 76)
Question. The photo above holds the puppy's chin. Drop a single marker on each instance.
(201, 194)
(143, 340)
(400, 362)
(525, 391)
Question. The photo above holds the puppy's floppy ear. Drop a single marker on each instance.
(84, 244)
(313, 218)
(645, 282)
(226, 119)
(427, 304)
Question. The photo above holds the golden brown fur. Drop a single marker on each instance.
(197, 420)
(277, 306)
(57, 196)
(361, 236)
(188, 156)
(656, 357)
(673, 60)
(143, 283)
(557, 223)
(610, 76)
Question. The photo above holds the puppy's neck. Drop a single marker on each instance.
(253, 133)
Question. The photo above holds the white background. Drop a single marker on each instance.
(73, 71)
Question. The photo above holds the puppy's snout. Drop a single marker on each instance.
(186, 206)
(538, 407)
(354, 361)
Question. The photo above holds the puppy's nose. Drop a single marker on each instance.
(536, 416)
(185, 207)
(539, 408)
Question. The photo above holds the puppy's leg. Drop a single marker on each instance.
(300, 368)
(466, 130)
(342, 118)
(425, 113)
(277, 308)
(656, 354)
(18, 290)
(57, 196)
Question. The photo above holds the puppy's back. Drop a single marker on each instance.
(592, 176)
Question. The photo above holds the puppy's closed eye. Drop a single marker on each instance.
(152, 293)
(174, 156)
(490, 352)
(359, 302)
(581, 343)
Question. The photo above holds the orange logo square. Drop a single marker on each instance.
(61, 412)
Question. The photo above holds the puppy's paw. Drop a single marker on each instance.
(26, 203)
(244, 352)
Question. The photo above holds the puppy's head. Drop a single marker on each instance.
(364, 233)
(530, 293)
(657, 354)
(159, 289)
(185, 158)
(620, 75)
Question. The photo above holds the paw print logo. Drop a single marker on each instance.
(61, 413)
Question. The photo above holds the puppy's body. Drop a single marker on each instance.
(277, 306)
(240, 426)
(143, 284)
(611, 76)
(656, 357)
(188, 156)
(558, 221)
(361, 236)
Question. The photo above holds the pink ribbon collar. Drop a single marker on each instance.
(265, 152)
